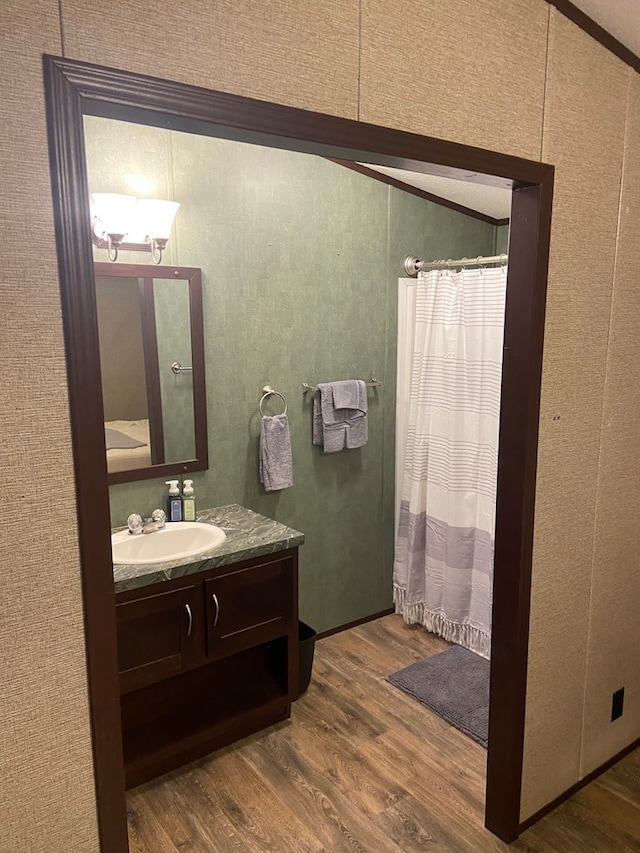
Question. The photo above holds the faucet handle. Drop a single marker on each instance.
(160, 517)
(134, 523)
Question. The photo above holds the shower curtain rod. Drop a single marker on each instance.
(413, 266)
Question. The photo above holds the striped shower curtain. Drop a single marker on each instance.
(443, 569)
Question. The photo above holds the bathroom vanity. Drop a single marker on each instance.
(207, 649)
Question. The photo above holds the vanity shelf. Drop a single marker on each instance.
(205, 660)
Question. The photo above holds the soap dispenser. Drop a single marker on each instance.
(188, 502)
(174, 503)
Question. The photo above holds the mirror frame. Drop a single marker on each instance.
(146, 274)
(73, 88)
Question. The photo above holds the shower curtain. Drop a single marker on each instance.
(443, 568)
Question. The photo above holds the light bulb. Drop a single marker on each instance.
(155, 217)
(115, 213)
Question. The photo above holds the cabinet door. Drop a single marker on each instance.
(249, 607)
(158, 636)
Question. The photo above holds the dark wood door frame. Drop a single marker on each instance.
(75, 88)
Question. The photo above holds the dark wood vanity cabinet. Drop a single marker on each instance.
(205, 660)
(247, 607)
(158, 636)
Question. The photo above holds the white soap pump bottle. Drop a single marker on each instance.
(174, 503)
(188, 501)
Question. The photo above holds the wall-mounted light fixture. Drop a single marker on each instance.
(137, 224)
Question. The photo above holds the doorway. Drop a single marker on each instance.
(76, 89)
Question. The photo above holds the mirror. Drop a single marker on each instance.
(152, 369)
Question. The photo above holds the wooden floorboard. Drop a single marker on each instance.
(362, 767)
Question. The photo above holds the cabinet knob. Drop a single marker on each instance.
(217, 604)
(190, 615)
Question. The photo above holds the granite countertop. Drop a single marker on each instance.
(249, 534)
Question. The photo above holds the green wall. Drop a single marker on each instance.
(501, 242)
(300, 260)
(171, 308)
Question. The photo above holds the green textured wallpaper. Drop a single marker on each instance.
(501, 243)
(171, 304)
(300, 260)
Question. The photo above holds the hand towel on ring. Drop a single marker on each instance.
(276, 463)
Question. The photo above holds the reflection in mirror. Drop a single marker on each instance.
(152, 369)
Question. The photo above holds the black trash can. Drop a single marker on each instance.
(307, 644)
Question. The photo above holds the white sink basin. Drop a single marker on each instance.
(177, 540)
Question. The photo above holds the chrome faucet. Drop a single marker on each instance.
(156, 522)
(150, 525)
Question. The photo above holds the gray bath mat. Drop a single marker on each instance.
(454, 684)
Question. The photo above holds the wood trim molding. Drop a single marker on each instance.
(340, 628)
(150, 100)
(590, 777)
(193, 277)
(196, 316)
(74, 88)
(582, 20)
(75, 267)
(409, 188)
(524, 330)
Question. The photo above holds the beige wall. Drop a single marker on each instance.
(584, 122)
(468, 80)
(613, 652)
(534, 86)
(46, 775)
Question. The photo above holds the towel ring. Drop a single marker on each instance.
(268, 392)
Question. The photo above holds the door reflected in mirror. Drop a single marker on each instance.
(152, 369)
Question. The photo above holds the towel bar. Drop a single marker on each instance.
(375, 383)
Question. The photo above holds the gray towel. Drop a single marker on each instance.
(350, 394)
(340, 422)
(276, 465)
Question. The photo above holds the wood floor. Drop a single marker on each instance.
(362, 767)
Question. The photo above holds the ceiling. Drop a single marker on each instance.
(621, 18)
(493, 201)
